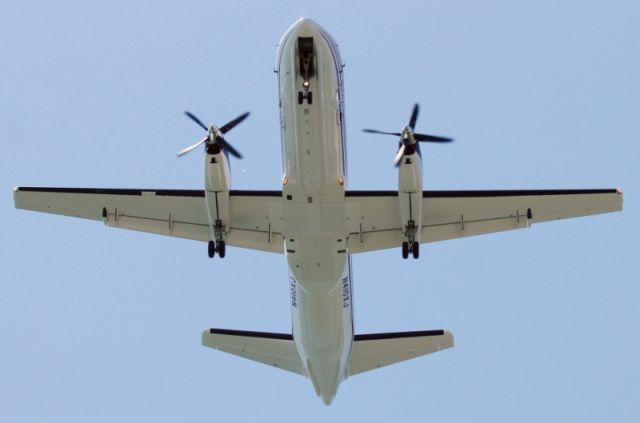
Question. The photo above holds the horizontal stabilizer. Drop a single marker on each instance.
(375, 350)
(274, 349)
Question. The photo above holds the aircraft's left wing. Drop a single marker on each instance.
(254, 215)
(374, 216)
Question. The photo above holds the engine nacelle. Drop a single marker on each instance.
(216, 171)
(217, 182)
(410, 196)
(410, 173)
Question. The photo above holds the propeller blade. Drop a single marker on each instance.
(235, 153)
(414, 116)
(192, 147)
(229, 126)
(431, 138)
(399, 155)
(375, 131)
(196, 120)
(408, 137)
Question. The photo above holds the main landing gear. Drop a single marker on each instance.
(413, 248)
(411, 245)
(216, 247)
(219, 245)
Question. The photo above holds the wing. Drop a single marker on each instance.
(374, 216)
(254, 215)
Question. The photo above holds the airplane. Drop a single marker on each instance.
(316, 221)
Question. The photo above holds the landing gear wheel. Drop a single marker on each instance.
(221, 249)
(309, 97)
(212, 249)
(416, 250)
(405, 250)
(300, 97)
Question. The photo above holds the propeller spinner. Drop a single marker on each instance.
(215, 135)
(408, 138)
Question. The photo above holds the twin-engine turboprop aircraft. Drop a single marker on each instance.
(316, 221)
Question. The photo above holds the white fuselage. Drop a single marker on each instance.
(314, 183)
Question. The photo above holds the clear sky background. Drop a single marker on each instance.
(104, 325)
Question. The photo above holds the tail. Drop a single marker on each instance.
(375, 350)
(369, 351)
(274, 349)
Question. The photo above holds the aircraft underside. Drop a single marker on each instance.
(316, 221)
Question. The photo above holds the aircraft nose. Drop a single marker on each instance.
(305, 27)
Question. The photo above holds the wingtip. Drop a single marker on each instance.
(621, 199)
(449, 334)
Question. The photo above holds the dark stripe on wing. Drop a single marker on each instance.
(252, 334)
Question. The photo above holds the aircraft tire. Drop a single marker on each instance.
(405, 250)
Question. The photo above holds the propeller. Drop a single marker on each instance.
(408, 138)
(214, 135)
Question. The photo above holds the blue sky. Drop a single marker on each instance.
(104, 325)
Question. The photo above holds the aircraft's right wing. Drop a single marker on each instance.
(374, 216)
(255, 215)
